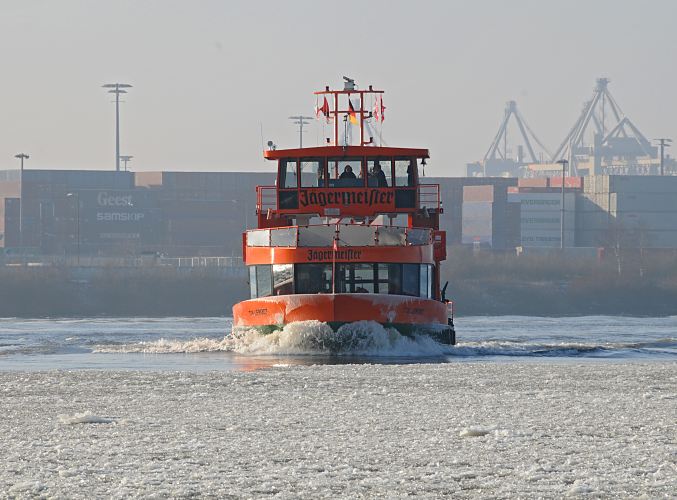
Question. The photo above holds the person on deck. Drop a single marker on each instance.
(380, 176)
(348, 173)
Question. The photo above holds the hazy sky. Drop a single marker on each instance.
(207, 73)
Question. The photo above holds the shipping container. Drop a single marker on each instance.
(543, 201)
(640, 202)
(539, 182)
(569, 182)
(478, 193)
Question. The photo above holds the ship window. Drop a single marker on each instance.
(312, 173)
(405, 172)
(288, 175)
(389, 278)
(252, 281)
(313, 278)
(346, 173)
(423, 281)
(283, 279)
(356, 278)
(379, 172)
(431, 277)
(263, 280)
(410, 279)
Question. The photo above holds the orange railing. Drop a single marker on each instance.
(266, 199)
(429, 196)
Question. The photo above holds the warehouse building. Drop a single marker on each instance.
(104, 213)
(176, 214)
(628, 211)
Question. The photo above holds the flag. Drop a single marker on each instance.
(323, 110)
(379, 109)
(351, 112)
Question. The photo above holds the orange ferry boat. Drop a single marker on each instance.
(348, 233)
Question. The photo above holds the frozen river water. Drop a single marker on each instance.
(523, 407)
(198, 344)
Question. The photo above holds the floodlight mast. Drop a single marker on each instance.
(301, 120)
(117, 89)
(21, 157)
(125, 159)
(663, 142)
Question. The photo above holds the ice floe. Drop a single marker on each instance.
(498, 430)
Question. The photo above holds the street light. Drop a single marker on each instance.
(21, 157)
(117, 89)
(564, 163)
(663, 143)
(125, 159)
(76, 196)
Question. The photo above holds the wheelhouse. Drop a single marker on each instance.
(348, 181)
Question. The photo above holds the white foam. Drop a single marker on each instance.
(298, 338)
(165, 346)
(315, 337)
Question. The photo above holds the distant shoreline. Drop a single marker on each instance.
(493, 286)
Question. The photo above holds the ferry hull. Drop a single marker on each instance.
(409, 315)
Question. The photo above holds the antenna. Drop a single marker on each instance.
(301, 121)
(349, 83)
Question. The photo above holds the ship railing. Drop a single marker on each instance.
(354, 235)
(429, 196)
(266, 199)
(194, 262)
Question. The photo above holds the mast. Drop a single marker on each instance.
(349, 89)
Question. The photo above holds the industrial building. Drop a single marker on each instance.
(106, 213)
(451, 192)
(188, 214)
(628, 211)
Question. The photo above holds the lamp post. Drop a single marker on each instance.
(564, 164)
(125, 159)
(663, 143)
(76, 197)
(21, 157)
(117, 89)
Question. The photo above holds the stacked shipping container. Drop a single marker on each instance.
(634, 211)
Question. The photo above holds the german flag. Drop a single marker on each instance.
(351, 112)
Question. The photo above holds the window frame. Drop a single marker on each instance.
(322, 167)
(388, 172)
(283, 172)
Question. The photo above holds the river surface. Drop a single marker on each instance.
(204, 344)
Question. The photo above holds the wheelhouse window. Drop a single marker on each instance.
(424, 290)
(252, 282)
(356, 278)
(405, 172)
(313, 173)
(313, 278)
(260, 281)
(283, 279)
(394, 279)
(288, 174)
(410, 279)
(389, 278)
(379, 171)
(345, 172)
